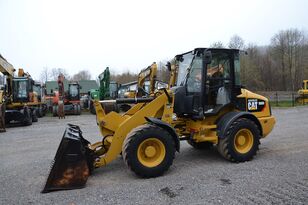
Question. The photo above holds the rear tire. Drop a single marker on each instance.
(148, 150)
(75, 109)
(241, 141)
(55, 110)
(34, 116)
(79, 109)
(44, 109)
(92, 109)
(27, 116)
(39, 112)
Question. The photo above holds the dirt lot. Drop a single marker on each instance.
(278, 174)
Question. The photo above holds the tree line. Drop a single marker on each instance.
(162, 74)
(52, 74)
(282, 65)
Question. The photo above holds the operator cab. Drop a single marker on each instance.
(21, 88)
(38, 89)
(74, 91)
(113, 89)
(208, 80)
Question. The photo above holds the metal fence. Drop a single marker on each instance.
(281, 98)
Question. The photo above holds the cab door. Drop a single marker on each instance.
(194, 86)
(219, 81)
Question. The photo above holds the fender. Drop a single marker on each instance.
(166, 127)
(226, 120)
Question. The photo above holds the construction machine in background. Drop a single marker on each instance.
(206, 106)
(20, 101)
(149, 73)
(7, 70)
(303, 93)
(107, 90)
(2, 112)
(70, 98)
(36, 101)
(39, 89)
(143, 87)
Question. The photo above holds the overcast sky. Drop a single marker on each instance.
(130, 34)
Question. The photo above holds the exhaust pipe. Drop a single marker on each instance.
(72, 164)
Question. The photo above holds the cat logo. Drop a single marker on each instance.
(252, 104)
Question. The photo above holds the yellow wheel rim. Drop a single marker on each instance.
(243, 141)
(151, 152)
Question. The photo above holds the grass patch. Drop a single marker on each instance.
(285, 104)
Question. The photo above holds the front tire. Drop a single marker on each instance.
(241, 142)
(148, 151)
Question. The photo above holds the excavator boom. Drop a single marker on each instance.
(6, 68)
(149, 72)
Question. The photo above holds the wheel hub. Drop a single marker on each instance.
(150, 151)
(243, 141)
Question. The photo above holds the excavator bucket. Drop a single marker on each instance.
(72, 164)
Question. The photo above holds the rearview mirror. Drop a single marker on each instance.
(207, 57)
(168, 66)
(179, 58)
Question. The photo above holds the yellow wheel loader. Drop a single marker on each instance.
(206, 106)
(303, 93)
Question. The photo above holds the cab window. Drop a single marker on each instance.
(195, 76)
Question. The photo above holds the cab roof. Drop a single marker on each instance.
(211, 49)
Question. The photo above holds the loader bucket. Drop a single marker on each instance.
(72, 164)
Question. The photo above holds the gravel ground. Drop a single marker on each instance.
(278, 174)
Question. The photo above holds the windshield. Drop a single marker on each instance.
(183, 63)
(22, 89)
(74, 90)
(195, 76)
(37, 89)
(121, 92)
(113, 87)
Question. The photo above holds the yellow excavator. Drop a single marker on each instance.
(206, 106)
(7, 70)
(20, 101)
(150, 73)
(303, 93)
